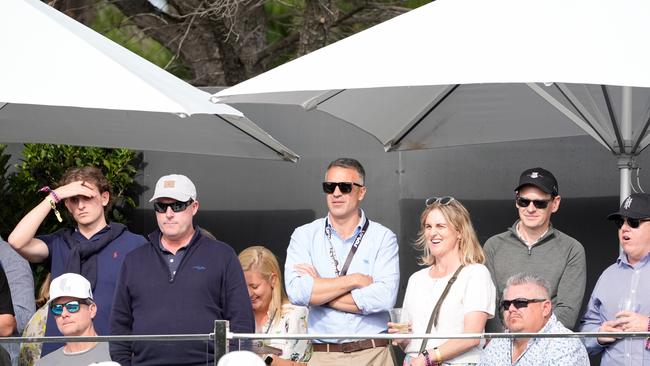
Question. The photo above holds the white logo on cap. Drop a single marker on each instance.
(64, 285)
(627, 203)
(534, 175)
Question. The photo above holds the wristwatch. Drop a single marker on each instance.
(268, 360)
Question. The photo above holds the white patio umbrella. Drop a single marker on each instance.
(61, 82)
(457, 72)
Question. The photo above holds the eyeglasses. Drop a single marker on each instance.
(71, 306)
(524, 202)
(518, 303)
(176, 206)
(443, 201)
(633, 223)
(344, 187)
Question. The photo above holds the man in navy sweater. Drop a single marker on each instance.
(178, 284)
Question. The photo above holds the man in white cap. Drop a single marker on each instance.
(179, 284)
(73, 308)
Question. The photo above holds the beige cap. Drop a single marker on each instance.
(176, 186)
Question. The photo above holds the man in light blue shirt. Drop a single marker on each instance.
(620, 301)
(346, 269)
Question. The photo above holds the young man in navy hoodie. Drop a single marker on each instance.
(93, 248)
(178, 284)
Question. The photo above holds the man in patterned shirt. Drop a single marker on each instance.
(527, 308)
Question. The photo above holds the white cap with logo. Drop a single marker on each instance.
(176, 186)
(70, 285)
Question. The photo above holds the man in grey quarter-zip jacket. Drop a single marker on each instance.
(178, 284)
(532, 245)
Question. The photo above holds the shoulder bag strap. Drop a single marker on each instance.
(436, 309)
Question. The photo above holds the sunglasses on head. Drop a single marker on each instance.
(518, 303)
(71, 306)
(633, 223)
(177, 206)
(344, 187)
(524, 202)
(444, 200)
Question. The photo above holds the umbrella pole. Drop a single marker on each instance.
(625, 160)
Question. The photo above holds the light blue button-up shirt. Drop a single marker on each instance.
(613, 286)
(376, 256)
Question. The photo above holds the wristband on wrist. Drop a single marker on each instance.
(49, 190)
(436, 351)
(427, 359)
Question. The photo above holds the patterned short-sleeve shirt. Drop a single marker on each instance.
(540, 351)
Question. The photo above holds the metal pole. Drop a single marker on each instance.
(220, 340)
(625, 176)
(626, 134)
(624, 160)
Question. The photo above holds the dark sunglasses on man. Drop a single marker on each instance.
(518, 303)
(177, 206)
(344, 187)
(525, 202)
(72, 307)
(633, 223)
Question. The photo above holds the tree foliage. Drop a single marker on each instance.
(227, 41)
(44, 164)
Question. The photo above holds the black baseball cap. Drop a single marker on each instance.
(636, 206)
(540, 178)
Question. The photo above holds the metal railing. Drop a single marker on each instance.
(222, 336)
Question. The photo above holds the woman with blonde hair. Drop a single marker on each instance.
(30, 352)
(453, 294)
(274, 314)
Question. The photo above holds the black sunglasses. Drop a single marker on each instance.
(177, 206)
(443, 201)
(518, 303)
(71, 306)
(524, 202)
(633, 223)
(344, 187)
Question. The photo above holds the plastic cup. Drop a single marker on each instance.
(401, 319)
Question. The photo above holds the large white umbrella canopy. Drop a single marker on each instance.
(458, 72)
(61, 82)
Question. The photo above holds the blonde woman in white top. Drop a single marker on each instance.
(447, 240)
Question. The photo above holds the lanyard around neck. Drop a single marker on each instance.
(353, 250)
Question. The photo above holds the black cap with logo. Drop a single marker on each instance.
(540, 178)
(636, 206)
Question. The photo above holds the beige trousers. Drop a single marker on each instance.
(381, 356)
